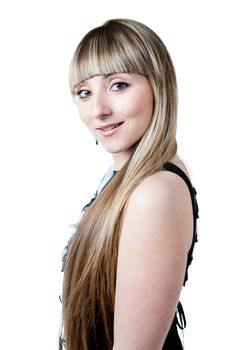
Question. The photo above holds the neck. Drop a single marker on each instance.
(119, 159)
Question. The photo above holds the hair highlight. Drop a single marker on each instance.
(119, 46)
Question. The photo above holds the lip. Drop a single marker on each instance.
(109, 129)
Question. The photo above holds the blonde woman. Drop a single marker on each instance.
(127, 261)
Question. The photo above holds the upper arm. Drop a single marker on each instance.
(155, 238)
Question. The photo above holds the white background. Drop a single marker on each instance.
(50, 165)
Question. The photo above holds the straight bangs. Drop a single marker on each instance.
(108, 50)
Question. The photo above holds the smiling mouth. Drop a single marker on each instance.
(109, 127)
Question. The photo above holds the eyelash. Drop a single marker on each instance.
(121, 83)
(78, 93)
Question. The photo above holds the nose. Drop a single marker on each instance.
(101, 106)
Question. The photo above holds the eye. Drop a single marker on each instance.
(82, 94)
(120, 85)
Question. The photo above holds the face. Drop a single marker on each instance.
(117, 109)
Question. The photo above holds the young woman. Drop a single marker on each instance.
(126, 263)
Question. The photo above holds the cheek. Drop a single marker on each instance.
(134, 107)
(146, 108)
(141, 111)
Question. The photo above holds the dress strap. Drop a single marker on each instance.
(175, 169)
(180, 316)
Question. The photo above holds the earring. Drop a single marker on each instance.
(96, 142)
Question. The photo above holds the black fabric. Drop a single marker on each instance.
(173, 341)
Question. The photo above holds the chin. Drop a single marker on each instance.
(113, 150)
(117, 148)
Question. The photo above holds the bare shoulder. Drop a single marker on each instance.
(161, 188)
(163, 199)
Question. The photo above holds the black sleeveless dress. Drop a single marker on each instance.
(172, 341)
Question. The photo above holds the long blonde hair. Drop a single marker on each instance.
(120, 45)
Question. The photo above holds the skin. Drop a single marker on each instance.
(104, 100)
(158, 224)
